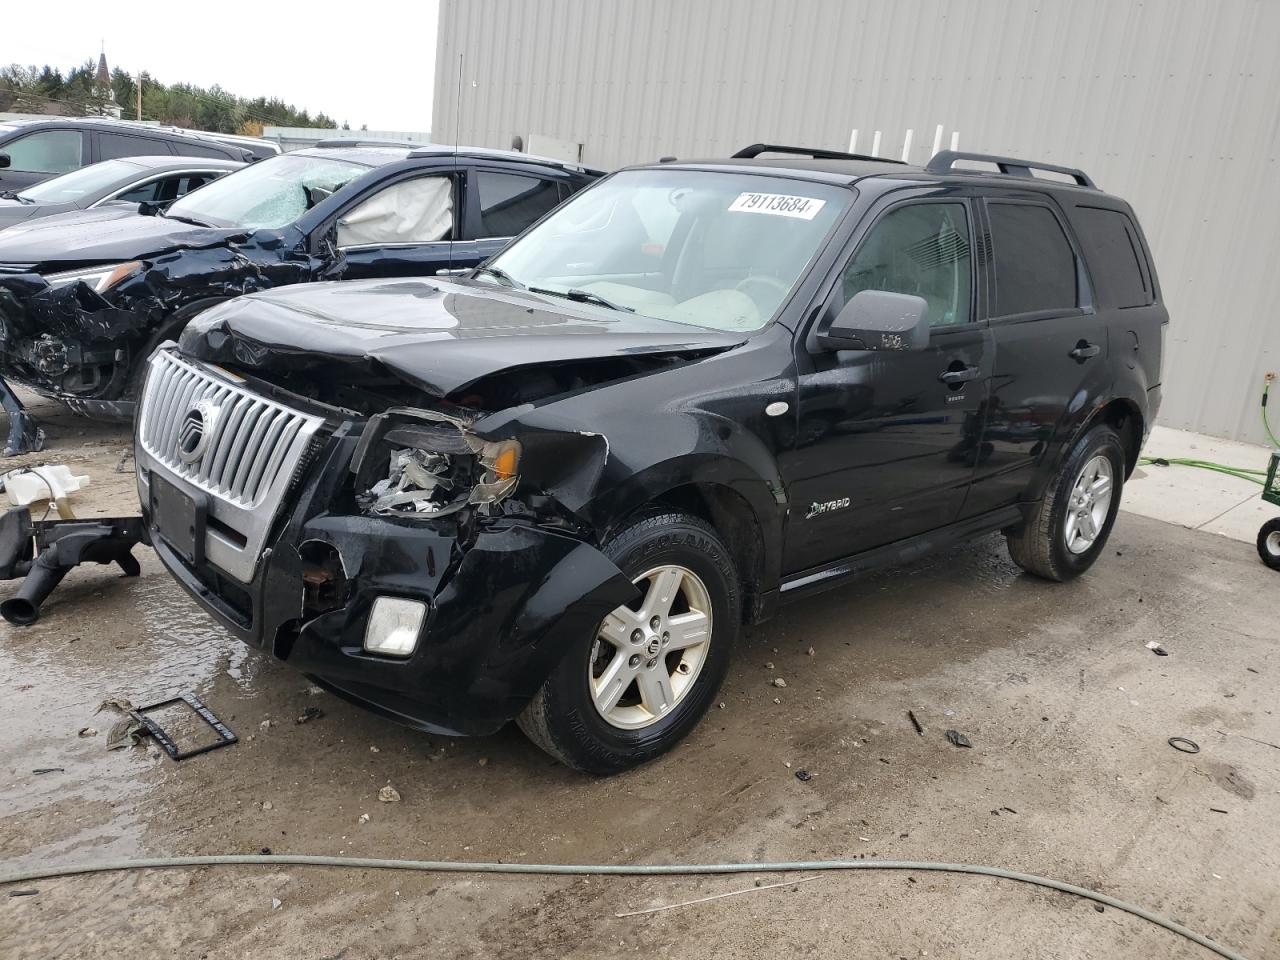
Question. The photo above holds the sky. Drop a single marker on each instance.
(368, 62)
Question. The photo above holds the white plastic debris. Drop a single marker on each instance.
(53, 482)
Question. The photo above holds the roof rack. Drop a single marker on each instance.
(944, 161)
(337, 142)
(817, 153)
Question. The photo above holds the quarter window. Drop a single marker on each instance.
(48, 151)
(921, 249)
(1035, 267)
(509, 203)
(1115, 258)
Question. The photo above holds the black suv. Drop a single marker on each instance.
(35, 150)
(84, 301)
(554, 490)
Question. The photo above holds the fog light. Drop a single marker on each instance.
(393, 626)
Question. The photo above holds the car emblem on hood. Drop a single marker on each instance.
(197, 427)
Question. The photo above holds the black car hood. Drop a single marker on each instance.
(437, 336)
(91, 237)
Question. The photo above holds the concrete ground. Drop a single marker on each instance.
(1070, 776)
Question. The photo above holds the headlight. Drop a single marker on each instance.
(422, 464)
(100, 279)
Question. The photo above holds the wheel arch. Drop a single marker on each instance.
(746, 527)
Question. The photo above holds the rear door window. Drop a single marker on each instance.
(509, 203)
(46, 151)
(114, 145)
(1115, 257)
(1035, 267)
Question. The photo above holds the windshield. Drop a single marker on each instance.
(714, 250)
(84, 182)
(271, 193)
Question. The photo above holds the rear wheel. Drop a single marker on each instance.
(1069, 527)
(1269, 543)
(643, 679)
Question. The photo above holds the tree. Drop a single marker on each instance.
(33, 89)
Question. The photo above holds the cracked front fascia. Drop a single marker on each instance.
(45, 332)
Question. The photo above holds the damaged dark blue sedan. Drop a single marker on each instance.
(84, 302)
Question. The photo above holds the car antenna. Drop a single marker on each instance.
(457, 123)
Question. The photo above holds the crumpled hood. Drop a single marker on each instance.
(438, 336)
(89, 237)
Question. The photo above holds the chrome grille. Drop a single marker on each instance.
(245, 463)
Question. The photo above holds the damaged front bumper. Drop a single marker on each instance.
(505, 595)
(70, 344)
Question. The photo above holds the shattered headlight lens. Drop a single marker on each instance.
(100, 279)
(434, 467)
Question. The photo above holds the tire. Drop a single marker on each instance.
(1052, 542)
(1269, 543)
(563, 717)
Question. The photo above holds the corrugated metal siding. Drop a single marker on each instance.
(1173, 105)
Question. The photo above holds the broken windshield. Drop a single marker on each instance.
(269, 194)
(715, 250)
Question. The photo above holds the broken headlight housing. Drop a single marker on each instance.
(420, 464)
(100, 279)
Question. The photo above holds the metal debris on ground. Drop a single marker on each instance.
(957, 738)
(39, 770)
(23, 893)
(1155, 647)
(804, 776)
(1184, 745)
(310, 713)
(717, 896)
(911, 715)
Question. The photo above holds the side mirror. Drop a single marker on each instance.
(150, 208)
(879, 320)
(4, 161)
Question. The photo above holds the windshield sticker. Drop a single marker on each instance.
(778, 204)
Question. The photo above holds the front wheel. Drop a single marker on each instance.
(641, 682)
(1067, 529)
(1269, 543)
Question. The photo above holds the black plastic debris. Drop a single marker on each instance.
(914, 722)
(23, 893)
(43, 551)
(39, 770)
(225, 736)
(1184, 745)
(958, 739)
(804, 776)
(310, 713)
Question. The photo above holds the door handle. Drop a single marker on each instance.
(1084, 350)
(954, 378)
(457, 272)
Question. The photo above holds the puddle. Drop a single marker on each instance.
(141, 640)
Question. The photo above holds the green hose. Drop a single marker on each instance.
(612, 870)
(1240, 473)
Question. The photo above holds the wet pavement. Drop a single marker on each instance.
(1070, 776)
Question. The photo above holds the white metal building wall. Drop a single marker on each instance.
(1172, 104)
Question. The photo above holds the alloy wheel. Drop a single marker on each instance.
(646, 658)
(1089, 504)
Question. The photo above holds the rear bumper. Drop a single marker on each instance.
(505, 601)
